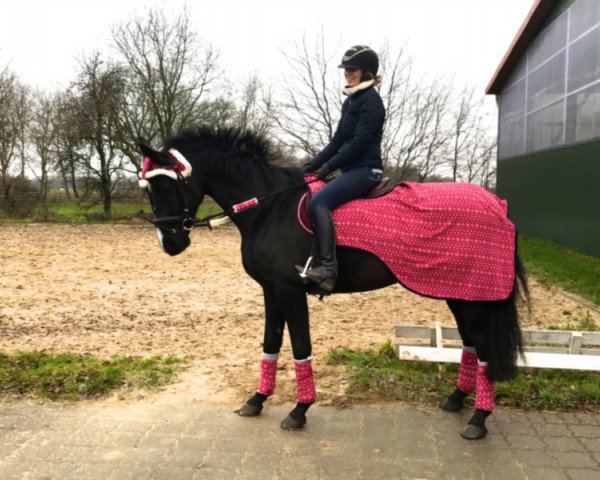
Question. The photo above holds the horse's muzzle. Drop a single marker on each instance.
(173, 241)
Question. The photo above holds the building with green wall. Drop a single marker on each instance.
(547, 89)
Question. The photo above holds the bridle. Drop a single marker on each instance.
(186, 221)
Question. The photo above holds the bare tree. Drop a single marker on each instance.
(99, 95)
(472, 146)
(42, 134)
(256, 109)
(486, 176)
(23, 112)
(7, 128)
(71, 148)
(169, 76)
(308, 113)
(414, 134)
(11, 136)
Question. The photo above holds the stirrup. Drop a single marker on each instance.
(306, 268)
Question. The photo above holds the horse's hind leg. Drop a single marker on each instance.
(471, 318)
(467, 373)
(273, 338)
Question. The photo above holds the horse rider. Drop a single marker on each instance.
(355, 149)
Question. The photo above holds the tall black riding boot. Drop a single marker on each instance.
(325, 274)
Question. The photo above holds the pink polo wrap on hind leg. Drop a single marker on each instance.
(305, 381)
(484, 395)
(467, 373)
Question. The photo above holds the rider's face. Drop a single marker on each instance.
(352, 76)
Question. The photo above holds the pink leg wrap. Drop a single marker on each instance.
(268, 371)
(484, 396)
(305, 382)
(467, 373)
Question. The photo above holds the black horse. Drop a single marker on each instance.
(232, 166)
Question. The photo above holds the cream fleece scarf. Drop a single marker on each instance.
(360, 86)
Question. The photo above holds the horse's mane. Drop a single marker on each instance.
(244, 142)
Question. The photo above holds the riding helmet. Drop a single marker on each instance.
(361, 56)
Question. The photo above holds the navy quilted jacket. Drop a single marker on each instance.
(357, 140)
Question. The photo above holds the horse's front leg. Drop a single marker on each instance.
(293, 302)
(285, 304)
(273, 338)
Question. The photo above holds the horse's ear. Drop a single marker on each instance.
(145, 146)
(158, 157)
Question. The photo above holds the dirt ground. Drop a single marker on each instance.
(109, 290)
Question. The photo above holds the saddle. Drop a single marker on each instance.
(441, 240)
(382, 188)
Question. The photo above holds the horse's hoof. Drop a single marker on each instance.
(451, 406)
(290, 424)
(247, 410)
(473, 432)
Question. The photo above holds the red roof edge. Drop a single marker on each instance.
(527, 31)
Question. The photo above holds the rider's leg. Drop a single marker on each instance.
(326, 273)
(348, 186)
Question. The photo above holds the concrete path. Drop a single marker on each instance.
(202, 441)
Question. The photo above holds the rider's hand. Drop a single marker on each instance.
(322, 172)
(307, 168)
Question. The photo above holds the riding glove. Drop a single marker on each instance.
(307, 168)
(322, 172)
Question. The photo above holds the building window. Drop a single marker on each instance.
(511, 139)
(553, 95)
(583, 115)
(545, 127)
(583, 16)
(546, 84)
(584, 60)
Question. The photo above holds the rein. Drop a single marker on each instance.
(240, 207)
(188, 222)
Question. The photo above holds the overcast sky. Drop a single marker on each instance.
(41, 39)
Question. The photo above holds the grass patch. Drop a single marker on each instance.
(120, 212)
(546, 389)
(384, 376)
(578, 324)
(553, 264)
(76, 377)
(75, 213)
(82, 213)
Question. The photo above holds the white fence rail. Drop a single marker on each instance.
(543, 348)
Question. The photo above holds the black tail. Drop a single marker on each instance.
(504, 333)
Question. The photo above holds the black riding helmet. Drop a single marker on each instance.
(361, 56)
